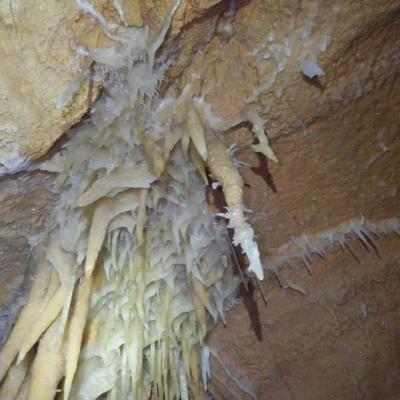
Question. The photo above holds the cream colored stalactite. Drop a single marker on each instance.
(198, 162)
(27, 317)
(105, 211)
(223, 169)
(63, 263)
(263, 145)
(195, 130)
(48, 366)
(120, 178)
(204, 111)
(24, 389)
(75, 333)
(15, 378)
(49, 314)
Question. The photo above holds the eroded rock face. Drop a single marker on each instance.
(27, 201)
(46, 85)
(38, 64)
(339, 341)
(337, 140)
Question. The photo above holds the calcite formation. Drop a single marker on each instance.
(304, 97)
(44, 90)
(133, 270)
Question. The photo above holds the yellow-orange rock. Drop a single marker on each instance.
(337, 139)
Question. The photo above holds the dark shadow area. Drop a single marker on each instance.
(315, 81)
(263, 171)
(251, 307)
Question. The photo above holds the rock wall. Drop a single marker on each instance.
(336, 136)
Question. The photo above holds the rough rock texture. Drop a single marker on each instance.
(45, 87)
(37, 67)
(338, 145)
(27, 201)
(337, 140)
(341, 341)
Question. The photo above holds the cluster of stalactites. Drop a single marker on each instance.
(135, 269)
(162, 287)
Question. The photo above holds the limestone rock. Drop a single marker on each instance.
(44, 83)
(37, 67)
(27, 201)
(336, 138)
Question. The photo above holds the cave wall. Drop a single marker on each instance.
(337, 140)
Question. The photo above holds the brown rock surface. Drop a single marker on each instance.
(27, 201)
(341, 341)
(40, 65)
(337, 139)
